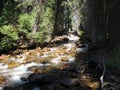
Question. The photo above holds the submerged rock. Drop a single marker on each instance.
(12, 64)
(2, 80)
(35, 77)
(69, 82)
(36, 88)
(8, 88)
(83, 48)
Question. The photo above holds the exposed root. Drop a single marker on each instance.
(108, 86)
(104, 70)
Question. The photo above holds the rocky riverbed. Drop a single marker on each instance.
(62, 65)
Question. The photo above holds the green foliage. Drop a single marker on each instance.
(15, 25)
(9, 31)
(47, 22)
(7, 44)
(38, 36)
(25, 22)
(80, 33)
(9, 13)
(9, 39)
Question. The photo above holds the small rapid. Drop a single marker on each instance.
(15, 67)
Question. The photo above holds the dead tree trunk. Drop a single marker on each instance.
(36, 23)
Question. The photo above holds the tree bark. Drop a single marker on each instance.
(93, 14)
(114, 24)
(55, 31)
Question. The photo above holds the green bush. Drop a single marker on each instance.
(7, 44)
(25, 22)
(9, 31)
(9, 13)
(10, 37)
(16, 26)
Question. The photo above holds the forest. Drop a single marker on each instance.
(59, 45)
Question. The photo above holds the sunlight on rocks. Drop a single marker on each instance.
(29, 61)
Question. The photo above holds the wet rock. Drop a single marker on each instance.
(29, 59)
(56, 61)
(46, 49)
(18, 56)
(12, 64)
(38, 49)
(45, 59)
(40, 79)
(64, 58)
(59, 87)
(72, 54)
(8, 88)
(109, 86)
(87, 81)
(35, 77)
(36, 88)
(115, 78)
(80, 69)
(38, 69)
(4, 58)
(32, 68)
(27, 53)
(55, 55)
(83, 48)
(2, 80)
(49, 87)
(73, 49)
(69, 82)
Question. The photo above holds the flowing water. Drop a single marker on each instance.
(12, 68)
(55, 67)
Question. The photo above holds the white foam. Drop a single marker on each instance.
(1, 88)
(3, 66)
(70, 45)
(21, 59)
(83, 49)
(71, 59)
(56, 60)
(22, 69)
(16, 80)
(52, 49)
(16, 73)
(73, 37)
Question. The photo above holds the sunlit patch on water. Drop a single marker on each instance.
(18, 58)
(70, 45)
(3, 66)
(72, 37)
(56, 60)
(14, 75)
(15, 80)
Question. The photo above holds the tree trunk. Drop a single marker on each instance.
(75, 13)
(93, 19)
(55, 31)
(36, 23)
(114, 24)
